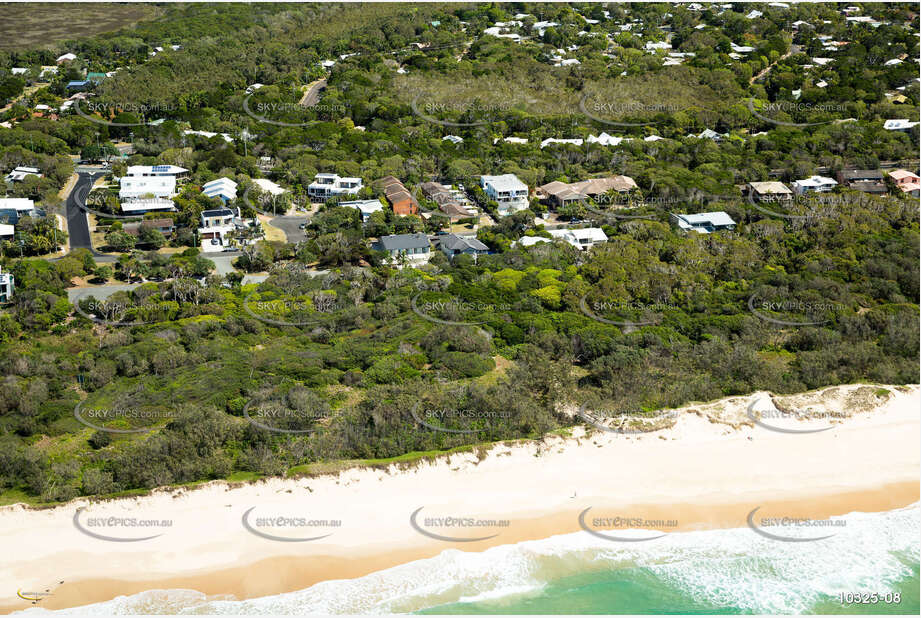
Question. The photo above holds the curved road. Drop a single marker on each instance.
(78, 227)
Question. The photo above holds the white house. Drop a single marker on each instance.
(66, 58)
(582, 238)
(899, 124)
(18, 70)
(269, 187)
(510, 193)
(815, 184)
(366, 207)
(135, 187)
(705, 222)
(325, 186)
(7, 231)
(216, 225)
(21, 205)
(155, 170)
(553, 140)
(223, 188)
(140, 206)
(18, 174)
(454, 139)
(7, 286)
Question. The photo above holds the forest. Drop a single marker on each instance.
(202, 376)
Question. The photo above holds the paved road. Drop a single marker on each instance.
(78, 227)
(313, 93)
(289, 224)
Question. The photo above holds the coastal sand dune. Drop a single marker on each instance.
(827, 452)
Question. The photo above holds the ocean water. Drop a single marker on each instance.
(715, 572)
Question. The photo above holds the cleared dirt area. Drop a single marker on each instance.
(30, 25)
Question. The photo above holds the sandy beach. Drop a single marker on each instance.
(856, 449)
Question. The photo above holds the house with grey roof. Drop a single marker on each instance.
(453, 244)
(414, 248)
(704, 222)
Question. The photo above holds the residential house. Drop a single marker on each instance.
(22, 207)
(269, 187)
(366, 207)
(142, 205)
(560, 194)
(704, 222)
(510, 193)
(137, 187)
(581, 238)
(867, 181)
(156, 170)
(7, 286)
(164, 226)
(452, 245)
(452, 202)
(325, 186)
(95, 78)
(907, 182)
(19, 174)
(77, 85)
(814, 184)
(223, 188)
(401, 200)
(216, 227)
(7, 231)
(771, 191)
(66, 58)
(899, 124)
(415, 248)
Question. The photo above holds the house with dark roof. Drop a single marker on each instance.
(164, 226)
(447, 201)
(452, 245)
(414, 248)
(867, 181)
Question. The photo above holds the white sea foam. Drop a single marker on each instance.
(734, 567)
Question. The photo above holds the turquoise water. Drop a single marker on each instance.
(732, 571)
(638, 591)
